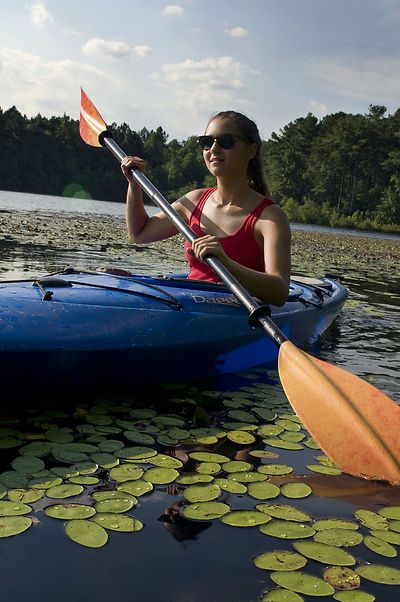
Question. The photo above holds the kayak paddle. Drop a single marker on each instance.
(357, 426)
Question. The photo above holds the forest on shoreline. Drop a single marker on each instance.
(342, 170)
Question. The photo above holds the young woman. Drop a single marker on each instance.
(235, 221)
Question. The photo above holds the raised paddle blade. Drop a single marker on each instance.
(91, 123)
(356, 425)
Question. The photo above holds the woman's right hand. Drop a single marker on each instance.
(129, 163)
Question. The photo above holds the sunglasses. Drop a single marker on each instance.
(225, 141)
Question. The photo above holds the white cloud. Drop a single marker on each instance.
(113, 50)
(368, 79)
(197, 88)
(172, 10)
(40, 16)
(237, 32)
(318, 108)
(36, 85)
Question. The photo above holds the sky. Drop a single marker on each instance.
(151, 63)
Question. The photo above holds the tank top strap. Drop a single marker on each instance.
(257, 211)
(197, 211)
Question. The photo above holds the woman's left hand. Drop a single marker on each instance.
(207, 245)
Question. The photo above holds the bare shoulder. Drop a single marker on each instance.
(188, 201)
(274, 214)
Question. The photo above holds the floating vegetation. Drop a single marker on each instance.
(236, 467)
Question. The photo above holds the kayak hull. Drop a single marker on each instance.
(96, 330)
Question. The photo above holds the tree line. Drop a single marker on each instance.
(342, 170)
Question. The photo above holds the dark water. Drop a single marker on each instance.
(180, 560)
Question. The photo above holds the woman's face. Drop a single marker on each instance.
(228, 161)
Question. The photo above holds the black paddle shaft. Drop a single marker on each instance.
(258, 314)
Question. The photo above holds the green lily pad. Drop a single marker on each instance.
(284, 512)
(311, 443)
(136, 488)
(303, 583)
(14, 525)
(27, 464)
(84, 480)
(236, 466)
(26, 496)
(165, 461)
(269, 430)
(208, 457)
(372, 520)
(322, 552)
(379, 574)
(264, 413)
(379, 546)
(105, 459)
(59, 436)
(143, 413)
(86, 533)
(296, 490)
(135, 453)
(126, 472)
(208, 468)
(69, 511)
(280, 560)
(289, 436)
(118, 522)
(36, 448)
(334, 523)
(68, 456)
(201, 492)
(263, 490)
(190, 478)
(108, 446)
(341, 578)
(139, 437)
(389, 536)
(3, 491)
(9, 442)
(263, 453)
(13, 479)
(114, 505)
(160, 475)
(230, 486)
(245, 518)
(86, 467)
(394, 525)
(240, 426)
(281, 444)
(286, 529)
(391, 512)
(110, 494)
(242, 416)
(338, 537)
(247, 477)
(275, 469)
(10, 508)
(241, 437)
(205, 510)
(65, 472)
(354, 596)
(63, 491)
(322, 469)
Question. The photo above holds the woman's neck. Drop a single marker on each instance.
(230, 192)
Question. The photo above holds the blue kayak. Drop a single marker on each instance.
(101, 330)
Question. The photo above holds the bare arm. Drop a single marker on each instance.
(141, 227)
(271, 286)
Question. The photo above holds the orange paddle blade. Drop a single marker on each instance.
(91, 123)
(356, 425)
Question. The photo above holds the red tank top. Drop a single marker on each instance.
(241, 246)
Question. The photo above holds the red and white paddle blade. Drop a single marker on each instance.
(91, 123)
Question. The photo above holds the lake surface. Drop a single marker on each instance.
(171, 558)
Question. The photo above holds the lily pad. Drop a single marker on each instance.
(341, 578)
(139, 437)
(10, 508)
(391, 512)
(165, 461)
(280, 560)
(379, 546)
(136, 488)
(284, 512)
(379, 574)
(286, 529)
(281, 444)
(230, 486)
(281, 595)
(135, 453)
(26, 496)
(270, 430)
(44, 482)
(247, 477)
(114, 505)
(110, 494)
(14, 525)
(322, 552)
(303, 583)
(27, 464)
(372, 520)
(69, 511)
(160, 475)
(241, 437)
(84, 480)
(205, 510)
(389, 536)
(263, 453)
(109, 446)
(86, 533)
(208, 468)
(208, 457)
(275, 469)
(245, 518)
(264, 413)
(105, 459)
(126, 472)
(236, 466)
(354, 596)
(118, 522)
(339, 537)
(322, 469)
(201, 492)
(190, 478)
(263, 490)
(334, 523)
(296, 490)
(64, 491)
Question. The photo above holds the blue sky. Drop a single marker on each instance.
(151, 63)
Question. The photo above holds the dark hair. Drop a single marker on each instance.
(248, 129)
